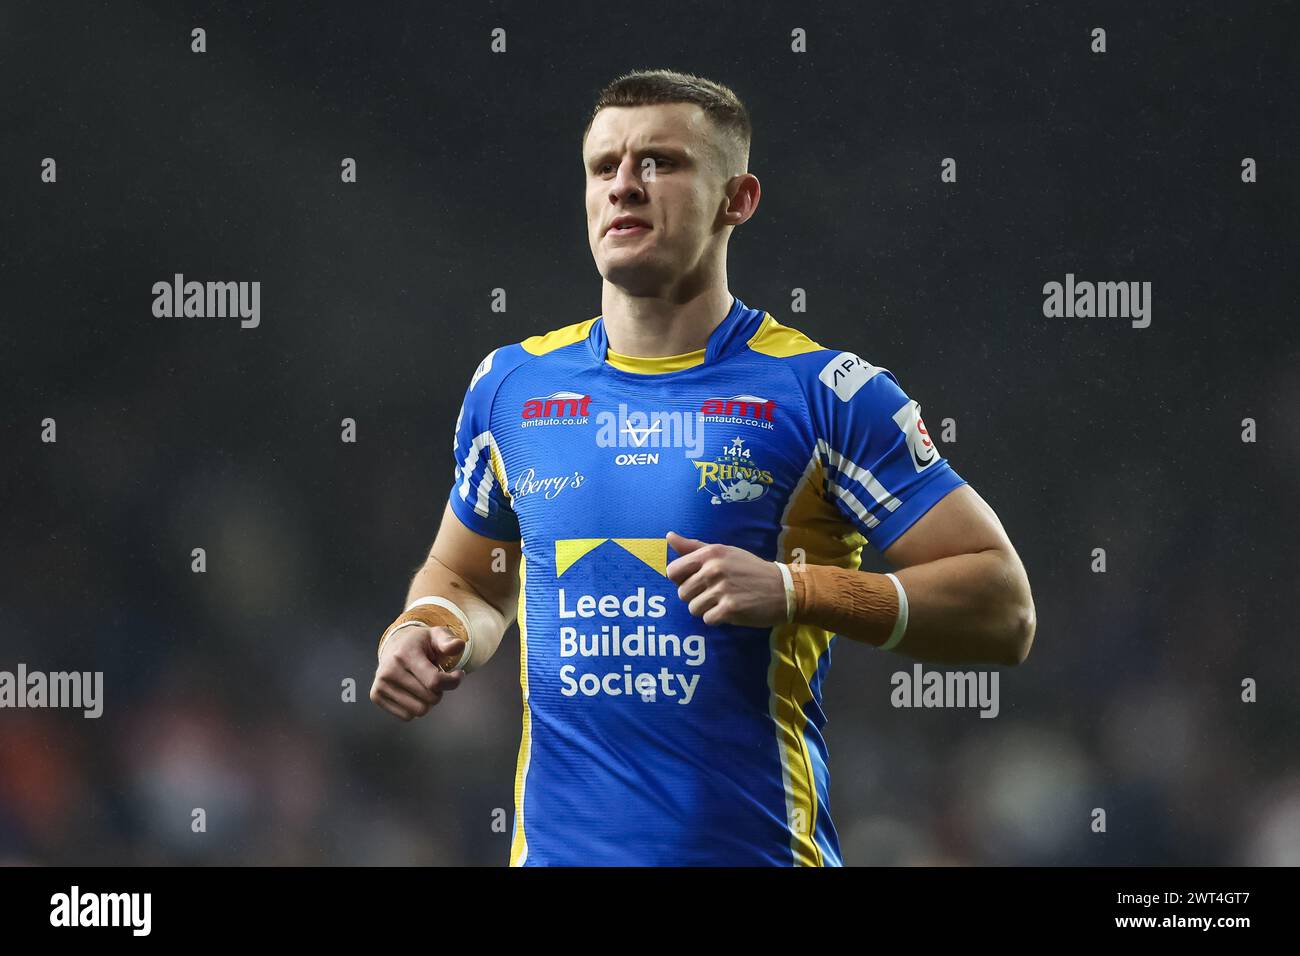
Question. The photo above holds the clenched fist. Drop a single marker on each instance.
(726, 585)
(408, 680)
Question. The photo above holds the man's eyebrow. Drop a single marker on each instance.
(666, 149)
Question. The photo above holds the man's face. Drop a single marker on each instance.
(680, 202)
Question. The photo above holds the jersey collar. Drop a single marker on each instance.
(731, 336)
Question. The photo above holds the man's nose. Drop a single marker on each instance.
(627, 182)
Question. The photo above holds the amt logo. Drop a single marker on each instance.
(558, 405)
(743, 406)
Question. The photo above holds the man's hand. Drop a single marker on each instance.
(408, 680)
(726, 585)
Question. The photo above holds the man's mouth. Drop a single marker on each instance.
(627, 226)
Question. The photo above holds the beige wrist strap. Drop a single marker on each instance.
(434, 611)
(860, 605)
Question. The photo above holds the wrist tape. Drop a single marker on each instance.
(860, 605)
(434, 612)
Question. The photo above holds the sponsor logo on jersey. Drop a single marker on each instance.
(633, 430)
(618, 642)
(484, 367)
(639, 436)
(919, 442)
(528, 483)
(740, 409)
(732, 476)
(846, 373)
(558, 408)
(637, 458)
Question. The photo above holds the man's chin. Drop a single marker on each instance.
(636, 276)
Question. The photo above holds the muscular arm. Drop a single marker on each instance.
(478, 574)
(967, 592)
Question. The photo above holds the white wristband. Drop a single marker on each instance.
(789, 591)
(900, 625)
(440, 602)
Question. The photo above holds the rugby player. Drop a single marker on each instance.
(672, 499)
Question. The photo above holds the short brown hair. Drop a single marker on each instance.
(720, 104)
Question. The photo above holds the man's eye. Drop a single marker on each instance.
(657, 161)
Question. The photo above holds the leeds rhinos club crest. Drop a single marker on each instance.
(732, 476)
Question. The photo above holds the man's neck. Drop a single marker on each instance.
(648, 327)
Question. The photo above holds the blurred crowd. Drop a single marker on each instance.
(226, 691)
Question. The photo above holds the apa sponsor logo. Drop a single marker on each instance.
(750, 410)
(558, 408)
(732, 476)
(846, 373)
(919, 442)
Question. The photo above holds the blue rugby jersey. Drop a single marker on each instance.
(649, 737)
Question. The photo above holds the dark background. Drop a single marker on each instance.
(222, 690)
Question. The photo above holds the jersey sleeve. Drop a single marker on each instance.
(882, 467)
(478, 495)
